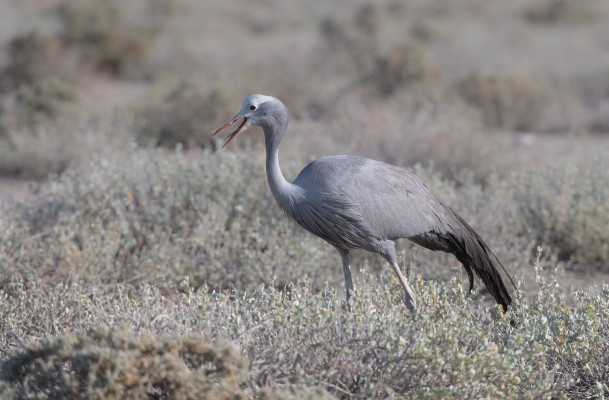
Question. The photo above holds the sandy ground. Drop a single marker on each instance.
(15, 190)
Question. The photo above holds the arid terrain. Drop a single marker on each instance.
(139, 260)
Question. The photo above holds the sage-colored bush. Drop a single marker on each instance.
(104, 364)
(157, 216)
(567, 210)
(181, 115)
(175, 243)
(511, 100)
(107, 37)
(453, 349)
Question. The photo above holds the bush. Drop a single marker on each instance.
(408, 64)
(562, 11)
(34, 57)
(511, 101)
(104, 364)
(151, 241)
(159, 217)
(369, 19)
(453, 349)
(359, 51)
(43, 98)
(106, 37)
(184, 114)
(295, 392)
(37, 81)
(36, 151)
(567, 210)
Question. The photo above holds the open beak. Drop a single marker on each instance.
(244, 125)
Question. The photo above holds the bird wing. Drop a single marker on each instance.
(332, 217)
(395, 204)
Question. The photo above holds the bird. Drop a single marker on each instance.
(354, 202)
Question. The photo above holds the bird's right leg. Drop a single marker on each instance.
(388, 252)
(411, 301)
(344, 255)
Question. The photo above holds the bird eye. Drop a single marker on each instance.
(252, 107)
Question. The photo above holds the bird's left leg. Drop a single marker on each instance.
(344, 255)
(389, 254)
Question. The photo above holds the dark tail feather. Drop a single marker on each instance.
(475, 256)
(458, 238)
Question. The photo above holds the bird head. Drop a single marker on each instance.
(256, 110)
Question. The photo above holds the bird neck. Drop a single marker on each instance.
(283, 191)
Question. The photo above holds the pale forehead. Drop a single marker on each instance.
(257, 99)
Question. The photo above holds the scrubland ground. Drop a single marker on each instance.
(137, 260)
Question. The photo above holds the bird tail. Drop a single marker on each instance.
(475, 255)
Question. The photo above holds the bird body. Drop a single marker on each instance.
(354, 202)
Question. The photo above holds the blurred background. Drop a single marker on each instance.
(476, 84)
(476, 91)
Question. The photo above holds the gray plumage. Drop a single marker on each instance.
(354, 202)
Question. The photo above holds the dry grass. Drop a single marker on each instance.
(106, 37)
(511, 101)
(104, 364)
(563, 11)
(307, 339)
(150, 273)
(181, 113)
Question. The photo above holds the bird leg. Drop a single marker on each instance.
(348, 280)
(411, 301)
(387, 250)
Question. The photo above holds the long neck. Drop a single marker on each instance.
(283, 191)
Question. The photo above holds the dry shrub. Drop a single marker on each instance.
(38, 151)
(34, 57)
(511, 101)
(560, 347)
(563, 11)
(369, 19)
(566, 209)
(351, 51)
(295, 392)
(159, 217)
(427, 31)
(599, 121)
(184, 114)
(358, 49)
(106, 37)
(407, 65)
(37, 81)
(42, 100)
(109, 364)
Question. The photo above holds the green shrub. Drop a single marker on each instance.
(104, 364)
(511, 101)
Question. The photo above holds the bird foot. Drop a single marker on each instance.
(412, 307)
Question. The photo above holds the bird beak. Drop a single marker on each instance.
(244, 125)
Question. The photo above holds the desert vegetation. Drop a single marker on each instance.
(137, 260)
